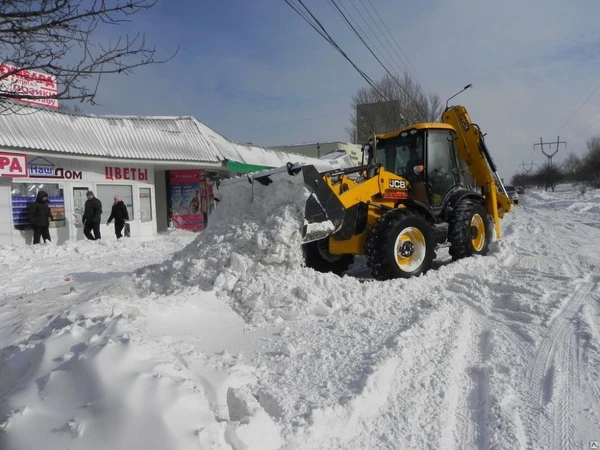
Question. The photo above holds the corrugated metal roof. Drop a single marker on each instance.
(152, 138)
(250, 154)
(129, 137)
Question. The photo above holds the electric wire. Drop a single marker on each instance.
(393, 60)
(371, 51)
(319, 28)
(418, 76)
(583, 102)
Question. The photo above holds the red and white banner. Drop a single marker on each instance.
(13, 165)
(28, 82)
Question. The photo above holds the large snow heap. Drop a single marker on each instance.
(252, 247)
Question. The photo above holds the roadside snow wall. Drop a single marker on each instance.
(250, 250)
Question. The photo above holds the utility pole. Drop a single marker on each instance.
(531, 164)
(550, 174)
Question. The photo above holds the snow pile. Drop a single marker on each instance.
(495, 352)
(252, 252)
(91, 379)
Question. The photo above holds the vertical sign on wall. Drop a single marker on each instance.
(186, 200)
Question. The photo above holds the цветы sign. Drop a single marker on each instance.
(126, 173)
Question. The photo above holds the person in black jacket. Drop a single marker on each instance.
(40, 217)
(92, 217)
(120, 214)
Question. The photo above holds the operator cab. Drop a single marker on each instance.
(426, 156)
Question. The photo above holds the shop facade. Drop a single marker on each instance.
(164, 168)
(157, 196)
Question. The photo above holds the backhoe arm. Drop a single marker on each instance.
(473, 151)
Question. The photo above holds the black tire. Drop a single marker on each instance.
(469, 230)
(317, 257)
(380, 245)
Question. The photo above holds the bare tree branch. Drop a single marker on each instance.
(40, 35)
(406, 103)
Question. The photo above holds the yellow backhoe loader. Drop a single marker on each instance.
(428, 185)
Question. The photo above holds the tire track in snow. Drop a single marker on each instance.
(479, 402)
(423, 408)
(552, 390)
(481, 426)
(563, 406)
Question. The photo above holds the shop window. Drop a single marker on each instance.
(79, 199)
(107, 192)
(24, 194)
(145, 205)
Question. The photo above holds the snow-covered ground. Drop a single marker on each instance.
(223, 341)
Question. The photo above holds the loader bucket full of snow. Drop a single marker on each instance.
(323, 212)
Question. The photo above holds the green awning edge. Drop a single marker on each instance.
(238, 167)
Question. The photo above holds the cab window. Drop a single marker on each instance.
(441, 165)
(400, 154)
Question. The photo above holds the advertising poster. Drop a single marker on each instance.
(29, 83)
(186, 199)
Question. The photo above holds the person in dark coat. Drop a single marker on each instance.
(40, 217)
(120, 214)
(92, 217)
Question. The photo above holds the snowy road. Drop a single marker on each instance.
(232, 345)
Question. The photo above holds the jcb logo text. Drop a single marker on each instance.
(397, 184)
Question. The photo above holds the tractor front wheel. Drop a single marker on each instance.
(399, 245)
(317, 257)
(469, 230)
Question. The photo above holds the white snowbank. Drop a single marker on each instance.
(251, 251)
(232, 344)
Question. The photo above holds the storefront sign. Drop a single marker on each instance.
(42, 168)
(126, 173)
(13, 165)
(29, 83)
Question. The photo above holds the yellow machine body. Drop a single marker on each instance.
(386, 190)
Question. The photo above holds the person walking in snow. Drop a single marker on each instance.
(120, 214)
(40, 217)
(92, 217)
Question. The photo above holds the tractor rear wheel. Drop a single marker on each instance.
(317, 257)
(399, 245)
(469, 230)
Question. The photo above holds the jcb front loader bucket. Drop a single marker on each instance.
(324, 213)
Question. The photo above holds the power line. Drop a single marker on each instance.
(397, 45)
(576, 132)
(394, 60)
(325, 35)
(339, 13)
(370, 50)
(582, 104)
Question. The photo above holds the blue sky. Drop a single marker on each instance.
(255, 72)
